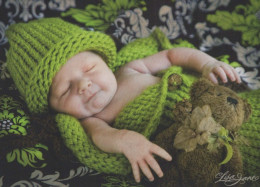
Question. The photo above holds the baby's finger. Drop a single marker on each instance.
(154, 165)
(136, 172)
(236, 76)
(229, 72)
(146, 170)
(161, 152)
(221, 73)
(213, 78)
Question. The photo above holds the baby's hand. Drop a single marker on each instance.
(139, 151)
(214, 69)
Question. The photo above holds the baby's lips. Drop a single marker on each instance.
(91, 96)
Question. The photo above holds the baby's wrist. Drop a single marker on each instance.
(121, 137)
(208, 66)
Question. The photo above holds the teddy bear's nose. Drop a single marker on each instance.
(232, 100)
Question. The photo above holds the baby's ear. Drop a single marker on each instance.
(199, 87)
(248, 110)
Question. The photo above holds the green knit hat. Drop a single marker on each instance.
(39, 48)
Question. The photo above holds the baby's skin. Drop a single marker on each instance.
(87, 89)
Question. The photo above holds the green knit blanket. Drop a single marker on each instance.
(251, 131)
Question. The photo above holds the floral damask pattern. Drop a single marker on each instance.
(13, 120)
(38, 178)
(25, 9)
(100, 16)
(243, 19)
(226, 29)
(29, 156)
(28, 9)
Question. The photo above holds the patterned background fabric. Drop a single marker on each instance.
(222, 28)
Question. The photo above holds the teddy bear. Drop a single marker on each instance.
(202, 138)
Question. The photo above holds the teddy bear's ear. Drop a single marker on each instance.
(199, 87)
(247, 109)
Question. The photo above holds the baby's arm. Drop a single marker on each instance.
(188, 58)
(137, 149)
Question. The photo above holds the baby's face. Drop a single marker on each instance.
(84, 86)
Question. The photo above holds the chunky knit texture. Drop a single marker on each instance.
(251, 131)
(39, 48)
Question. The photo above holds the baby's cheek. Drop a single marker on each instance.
(98, 103)
(75, 108)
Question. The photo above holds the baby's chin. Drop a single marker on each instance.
(89, 111)
(83, 112)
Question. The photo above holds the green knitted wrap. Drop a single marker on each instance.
(142, 114)
(39, 48)
(251, 131)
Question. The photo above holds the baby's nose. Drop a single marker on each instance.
(84, 85)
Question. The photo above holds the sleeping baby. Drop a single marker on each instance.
(54, 70)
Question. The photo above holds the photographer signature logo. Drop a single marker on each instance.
(231, 180)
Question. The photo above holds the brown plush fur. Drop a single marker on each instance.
(200, 167)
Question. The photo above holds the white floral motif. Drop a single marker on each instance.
(3, 39)
(37, 178)
(249, 56)
(26, 6)
(250, 77)
(184, 12)
(138, 23)
(171, 27)
(210, 42)
(1, 178)
(212, 5)
(137, 26)
(174, 25)
(203, 30)
(61, 5)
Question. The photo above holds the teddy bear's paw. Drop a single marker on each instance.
(185, 139)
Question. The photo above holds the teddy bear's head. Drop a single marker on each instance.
(228, 109)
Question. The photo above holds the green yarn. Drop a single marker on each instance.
(39, 48)
(251, 131)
